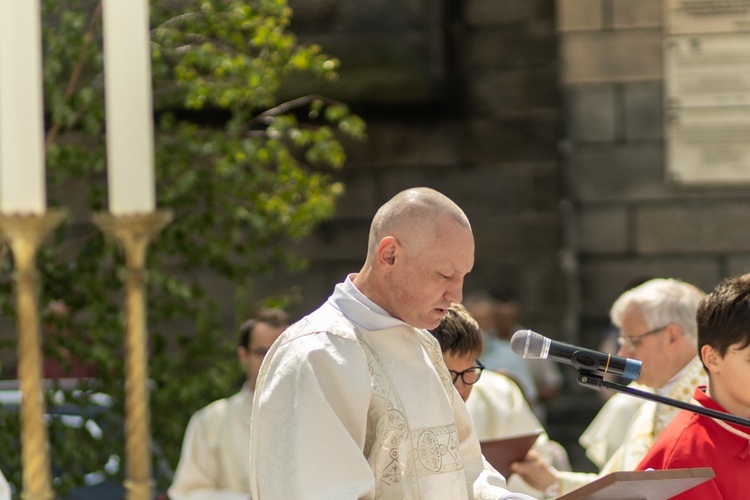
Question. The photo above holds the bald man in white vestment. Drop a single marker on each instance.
(354, 401)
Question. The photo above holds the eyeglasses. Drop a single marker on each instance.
(469, 376)
(632, 342)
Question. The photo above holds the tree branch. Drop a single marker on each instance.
(75, 75)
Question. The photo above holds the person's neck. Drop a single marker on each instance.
(731, 405)
(367, 283)
(679, 364)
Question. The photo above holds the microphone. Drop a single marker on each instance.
(528, 344)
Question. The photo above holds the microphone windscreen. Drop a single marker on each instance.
(527, 344)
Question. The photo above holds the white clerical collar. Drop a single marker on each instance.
(359, 309)
(667, 388)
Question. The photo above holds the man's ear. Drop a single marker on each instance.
(387, 251)
(675, 332)
(710, 358)
(242, 354)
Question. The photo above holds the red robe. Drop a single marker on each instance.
(692, 440)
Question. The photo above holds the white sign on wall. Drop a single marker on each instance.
(707, 91)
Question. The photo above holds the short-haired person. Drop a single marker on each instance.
(354, 400)
(495, 402)
(215, 461)
(657, 327)
(694, 440)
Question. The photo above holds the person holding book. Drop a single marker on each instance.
(495, 402)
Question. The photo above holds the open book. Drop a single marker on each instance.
(501, 452)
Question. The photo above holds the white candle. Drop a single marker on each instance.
(127, 85)
(21, 108)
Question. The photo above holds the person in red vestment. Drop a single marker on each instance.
(693, 440)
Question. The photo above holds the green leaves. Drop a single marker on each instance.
(243, 173)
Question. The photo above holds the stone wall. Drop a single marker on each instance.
(631, 222)
(488, 139)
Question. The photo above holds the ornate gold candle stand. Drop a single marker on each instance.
(134, 233)
(24, 234)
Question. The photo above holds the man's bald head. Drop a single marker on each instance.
(413, 217)
(420, 250)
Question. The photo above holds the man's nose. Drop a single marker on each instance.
(454, 293)
(624, 351)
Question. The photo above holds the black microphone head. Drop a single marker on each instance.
(528, 344)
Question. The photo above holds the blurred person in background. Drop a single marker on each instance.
(657, 327)
(495, 402)
(215, 458)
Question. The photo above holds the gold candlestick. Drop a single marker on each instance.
(24, 234)
(133, 233)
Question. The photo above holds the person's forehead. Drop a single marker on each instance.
(458, 362)
(455, 254)
(632, 318)
(264, 335)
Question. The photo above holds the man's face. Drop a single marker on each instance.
(251, 357)
(652, 350)
(730, 378)
(459, 363)
(424, 283)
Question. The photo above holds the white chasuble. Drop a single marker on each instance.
(342, 412)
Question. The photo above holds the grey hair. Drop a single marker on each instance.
(661, 301)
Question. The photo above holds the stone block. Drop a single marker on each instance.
(603, 230)
(644, 118)
(337, 240)
(738, 264)
(694, 228)
(636, 14)
(530, 136)
(501, 189)
(492, 12)
(526, 235)
(514, 46)
(493, 92)
(611, 56)
(403, 143)
(617, 173)
(543, 187)
(603, 280)
(591, 113)
(358, 200)
(580, 15)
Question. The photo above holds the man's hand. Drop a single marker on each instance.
(535, 471)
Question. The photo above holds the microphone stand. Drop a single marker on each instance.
(596, 382)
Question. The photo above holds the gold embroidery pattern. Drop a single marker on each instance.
(437, 450)
(653, 423)
(397, 454)
(387, 444)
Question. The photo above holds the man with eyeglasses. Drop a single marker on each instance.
(497, 405)
(215, 458)
(657, 322)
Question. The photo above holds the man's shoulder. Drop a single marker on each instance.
(211, 411)
(325, 320)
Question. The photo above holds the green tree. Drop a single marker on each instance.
(244, 172)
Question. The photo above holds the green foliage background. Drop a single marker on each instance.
(243, 173)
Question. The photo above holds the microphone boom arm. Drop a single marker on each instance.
(593, 381)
